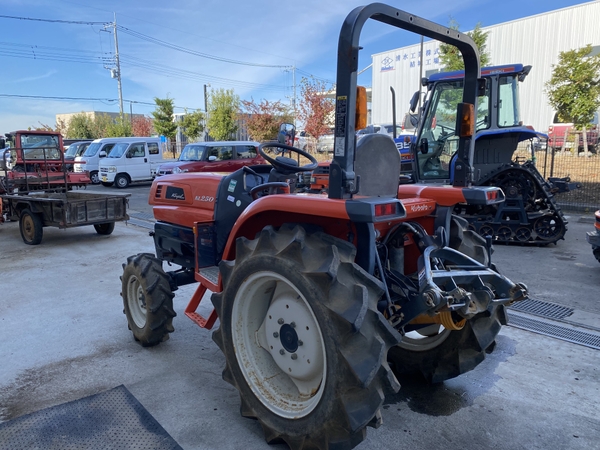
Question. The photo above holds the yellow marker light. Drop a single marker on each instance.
(466, 119)
(360, 120)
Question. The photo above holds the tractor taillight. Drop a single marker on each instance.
(492, 195)
(385, 209)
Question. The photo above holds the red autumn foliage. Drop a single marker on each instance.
(316, 110)
(263, 119)
(141, 126)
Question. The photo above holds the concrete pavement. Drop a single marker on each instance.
(63, 336)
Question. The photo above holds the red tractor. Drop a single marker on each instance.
(34, 161)
(323, 300)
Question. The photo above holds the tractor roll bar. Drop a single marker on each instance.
(342, 181)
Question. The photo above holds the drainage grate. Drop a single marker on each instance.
(142, 216)
(555, 331)
(544, 309)
(141, 223)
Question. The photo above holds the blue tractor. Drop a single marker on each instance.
(530, 214)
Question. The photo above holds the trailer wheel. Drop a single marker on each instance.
(104, 228)
(121, 181)
(304, 344)
(438, 353)
(147, 299)
(31, 227)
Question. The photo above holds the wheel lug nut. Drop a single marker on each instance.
(300, 343)
(282, 352)
(294, 356)
(276, 334)
(293, 324)
(280, 321)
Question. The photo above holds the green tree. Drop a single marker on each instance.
(101, 124)
(192, 124)
(163, 117)
(118, 128)
(574, 88)
(264, 118)
(81, 126)
(223, 109)
(451, 58)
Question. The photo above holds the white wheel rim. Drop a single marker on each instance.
(417, 342)
(136, 301)
(278, 345)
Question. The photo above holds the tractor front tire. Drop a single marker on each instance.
(303, 341)
(147, 299)
(596, 251)
(31, 227)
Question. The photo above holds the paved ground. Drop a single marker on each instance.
(63, 336)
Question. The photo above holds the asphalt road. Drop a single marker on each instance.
(63, 336)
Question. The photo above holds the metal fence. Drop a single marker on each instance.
(580, 167)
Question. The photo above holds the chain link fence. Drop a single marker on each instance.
(577, 165)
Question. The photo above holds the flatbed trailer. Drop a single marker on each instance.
(40, 192)
(37, 210)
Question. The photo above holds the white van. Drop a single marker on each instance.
(90, 160)
(130, 160)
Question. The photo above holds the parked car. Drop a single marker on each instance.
(303, 139)
(74, 150)
(379, 128)
(131, 159)
(559, 128)
(325, 143)
(593, 237)
(89, 161)
(223, 156)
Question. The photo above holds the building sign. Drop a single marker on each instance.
(412, 59)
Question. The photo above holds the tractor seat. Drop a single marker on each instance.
(377, 163)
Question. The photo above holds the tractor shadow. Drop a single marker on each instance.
(450, 396)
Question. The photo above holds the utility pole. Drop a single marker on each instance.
(294, 98)
(118, 68)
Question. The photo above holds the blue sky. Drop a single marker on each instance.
(71, 62)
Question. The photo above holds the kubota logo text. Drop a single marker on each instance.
(417, 208)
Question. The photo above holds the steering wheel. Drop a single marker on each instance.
(281, 163)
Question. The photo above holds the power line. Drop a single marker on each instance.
(74, 22)
(195, 53)
(133, 61)
(93, 99)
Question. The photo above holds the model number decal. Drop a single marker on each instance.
(204, 198)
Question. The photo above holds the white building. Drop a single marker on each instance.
(535, 40)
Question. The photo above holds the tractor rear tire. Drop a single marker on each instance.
(31, 227)
(147, 299)
(443, 354)
(104, 228)
(303, 341)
